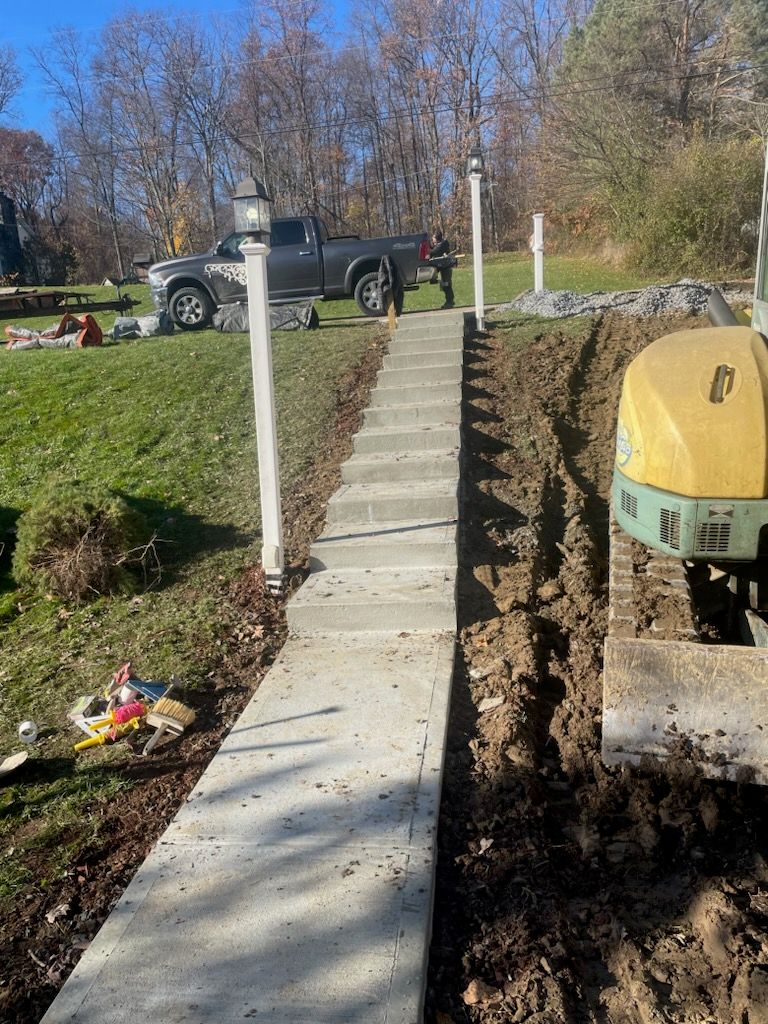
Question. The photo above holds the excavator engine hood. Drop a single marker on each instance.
(691, 471)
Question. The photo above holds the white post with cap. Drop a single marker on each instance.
(475, 172)
(252, 216)
(538, 252)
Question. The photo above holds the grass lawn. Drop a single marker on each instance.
(168, 422)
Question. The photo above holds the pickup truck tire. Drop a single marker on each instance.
(191, 308)
(368, 296)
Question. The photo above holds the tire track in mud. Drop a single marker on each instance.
(569, 892)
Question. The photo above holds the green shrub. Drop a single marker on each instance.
(696, 211)
(78, 541)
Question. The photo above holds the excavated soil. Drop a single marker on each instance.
(569, 892)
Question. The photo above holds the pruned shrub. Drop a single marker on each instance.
(78, 541)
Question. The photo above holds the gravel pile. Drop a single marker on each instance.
(687, 296)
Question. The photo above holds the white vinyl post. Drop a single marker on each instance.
(264, 401)
(477, 249)
(538, 252)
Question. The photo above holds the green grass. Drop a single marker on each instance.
(505, 276)
(169, 423)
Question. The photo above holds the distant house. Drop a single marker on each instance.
(11, 257)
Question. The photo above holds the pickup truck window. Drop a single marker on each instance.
(231, 246)
(288, 232)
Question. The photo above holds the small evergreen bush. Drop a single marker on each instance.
(79, 541)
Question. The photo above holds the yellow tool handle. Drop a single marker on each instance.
(101, 721)
(93, 741)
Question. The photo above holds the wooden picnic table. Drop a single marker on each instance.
(17, 302)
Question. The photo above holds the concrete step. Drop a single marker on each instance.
(353, 600)
(385, 545)
(404, 439)
(428, 334)
(390, 466)
(451, 324)
(382, 502)
(441, 357)
(449, 321)
(419, 375)
(410, 394)
(412, 415)
(398, 347)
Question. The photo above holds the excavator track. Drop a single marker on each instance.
(668, 692)
(639, 585)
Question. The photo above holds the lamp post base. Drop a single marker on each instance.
(274, 580)
(272, 563)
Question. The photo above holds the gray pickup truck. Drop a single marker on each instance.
(305, 262)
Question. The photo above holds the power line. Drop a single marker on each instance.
(495, 100)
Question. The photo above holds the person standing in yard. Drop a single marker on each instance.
(439, 252)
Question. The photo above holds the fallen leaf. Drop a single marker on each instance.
(61, 911)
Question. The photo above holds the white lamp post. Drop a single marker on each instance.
(252, 216)
(475, 172)
(538, 252)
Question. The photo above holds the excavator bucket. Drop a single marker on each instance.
(671, 698)
(674, 696)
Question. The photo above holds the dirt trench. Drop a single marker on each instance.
(568, 892)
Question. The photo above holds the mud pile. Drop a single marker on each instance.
(568, 892)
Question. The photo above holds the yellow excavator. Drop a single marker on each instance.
(689, 506)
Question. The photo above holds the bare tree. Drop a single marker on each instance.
(197, 75)
(10, 79)
(147, 122)
(87, 123)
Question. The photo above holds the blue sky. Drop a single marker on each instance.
(22, 26)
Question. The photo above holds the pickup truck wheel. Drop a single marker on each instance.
(191, 308)
(368, 296)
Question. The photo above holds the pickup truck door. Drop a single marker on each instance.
(294, 267)
(226, 270)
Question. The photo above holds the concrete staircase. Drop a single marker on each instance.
(295, 885)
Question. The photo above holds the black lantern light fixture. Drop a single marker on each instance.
(475, 163)
(253, 216)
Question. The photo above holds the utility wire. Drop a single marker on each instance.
(495, 101)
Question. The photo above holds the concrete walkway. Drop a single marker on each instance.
(295, 885)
